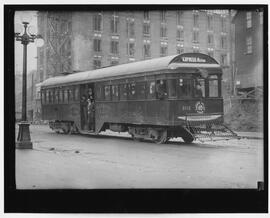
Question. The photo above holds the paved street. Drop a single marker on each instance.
(80, 161)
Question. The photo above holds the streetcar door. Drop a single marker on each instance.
(87, 103)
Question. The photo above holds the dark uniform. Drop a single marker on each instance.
(84, 112)
(91, 114)
(161, 90)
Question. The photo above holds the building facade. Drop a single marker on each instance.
(248, 50)
(80, 41)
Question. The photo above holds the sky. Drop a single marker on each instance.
(31, 48)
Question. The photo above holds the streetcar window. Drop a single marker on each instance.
(172, 88)
(76, 93)
(115, 93)
(199, 88)
(107, 92)
(52, 95)
(132, 91)
(185, 87)
(43, 96)
(213, 86)
(56, 96)
(47, 96)
(140, 90)
(71, 94)
(60, 95)
(161, 90)
(123, 91)
(65, 95)
(99, 92)
(151, 87)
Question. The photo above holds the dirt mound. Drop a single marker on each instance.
(245, 115)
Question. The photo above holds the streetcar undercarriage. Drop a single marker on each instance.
(192, 129)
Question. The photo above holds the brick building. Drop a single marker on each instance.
(248, 50)
(80, 41)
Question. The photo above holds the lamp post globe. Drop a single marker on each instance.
(25, 16)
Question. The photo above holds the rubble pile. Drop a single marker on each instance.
(245, 116)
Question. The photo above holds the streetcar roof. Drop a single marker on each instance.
(123, 70)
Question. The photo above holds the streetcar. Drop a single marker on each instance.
(156, 99)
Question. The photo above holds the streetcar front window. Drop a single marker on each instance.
(213, 86)
(199, 88)
(185, 87)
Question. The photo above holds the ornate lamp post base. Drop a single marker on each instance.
(24, 139)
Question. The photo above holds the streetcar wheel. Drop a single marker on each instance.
(188, 139)
(161, 137)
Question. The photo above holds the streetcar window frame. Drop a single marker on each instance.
(65, 95)
(99, 92)
(132, 95)
(140, 89)
(215, 78)
(107, 95)
(60, 95)
(123, 91)
(43, 96)
(151, 89)
(70, 90)
(185, 81)
(47, 96)
(172, 88)
(76, 93)
(115, 92)
(56, 96)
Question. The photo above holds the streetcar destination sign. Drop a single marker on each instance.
(193, 60)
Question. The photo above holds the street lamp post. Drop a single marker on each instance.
(24, 139)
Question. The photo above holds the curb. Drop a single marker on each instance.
(251, 137)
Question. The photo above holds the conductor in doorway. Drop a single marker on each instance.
(91, 114)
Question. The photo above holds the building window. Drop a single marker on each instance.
(97, 45)
(223, 59)
(97, 22)
(146, 29)
(249, 45)
(249, 19)
(210, 39)
(163, 16)
(261, 17)
(196, 36)
(196, 20)
(180, 34)
(223, 24)
(195, 49)
(163, 50)
(114, 47)
(130, 28)
(179, 17)
(223, 41)
(163, 31)
(180, 49)
(210, 22)
(146, 50)
(114, 23)
(97, 63)
(146, 15)
(131, 49)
